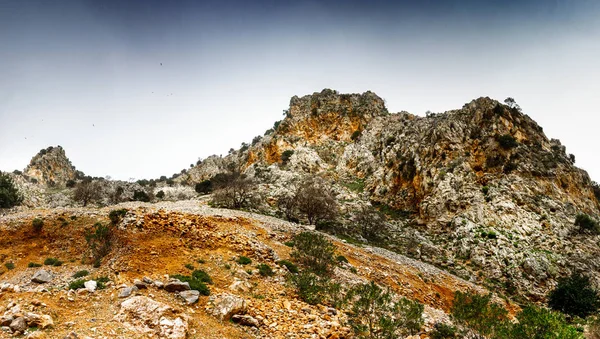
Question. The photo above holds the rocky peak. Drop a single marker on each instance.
(51, 167)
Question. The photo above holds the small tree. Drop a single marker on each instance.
(315, 200)
(204, 187)
(37, 224)
(99, 239)
(141, 196)
(9, 194)
(233, 190)
(510, 102)
(370, 223)
(314, 252)
(587, 224)
(375, 314)
(575, 296)
(87, 191)
(288, 205)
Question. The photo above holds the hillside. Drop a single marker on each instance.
(476, 199)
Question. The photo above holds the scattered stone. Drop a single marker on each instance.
(226, 305)
(140, 284)
(5, 320)
(147, 280)
(18, 325)
(127, 291)
(159, 284)
(174, 285)
(190, 297)
(245, 320)
(90, 285)
(41, 277)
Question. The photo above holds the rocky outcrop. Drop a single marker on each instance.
(148, 317)
(51, 167)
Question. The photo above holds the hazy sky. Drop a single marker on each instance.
(87, 75)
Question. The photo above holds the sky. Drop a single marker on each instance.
(141, 89)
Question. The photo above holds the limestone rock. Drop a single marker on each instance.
(190, 297)
(127, 291)
(245, 320)
(226, 305)
(149, 317)
(18, 325)
(90, 285)
(175, 285)
(41, 277)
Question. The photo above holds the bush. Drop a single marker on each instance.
(477, 312)
(87, 191)
(37, 224)
(194, 282)
(507, 141)
(9, 194)
(99, 240)
(33, 264)
(443, 331)
(141, 196)
(204, 187)
(289, 265)
(370, 223)
(376, 315)
(80, 274)
(310, 287)
(287, 205)
(190, 267)
(341, 259)
(116, 216)
(265, 270)
(160, 194)
(101, 282)
(71, 183)
(9, 265)
(535, 322)
(575, 296)
(587, 224)
(355, 135)
(286, 155)
(77, 284)
(233, 190)
(202, 276)
(314, 252)
(52, 262)
(242, 260)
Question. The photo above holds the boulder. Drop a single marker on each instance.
(226, 305)
(41, 277)
(152, 318)
(190, 297)
(127, 291)
(18, 325)
(90, 285)
(245, 320)
(175, 285)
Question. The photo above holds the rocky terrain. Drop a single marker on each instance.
(474, 199)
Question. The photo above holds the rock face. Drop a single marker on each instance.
(480, 191)
(226, 305)
(51, 167)
(148, 317)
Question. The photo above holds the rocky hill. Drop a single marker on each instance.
(51, 167)
(481, 190)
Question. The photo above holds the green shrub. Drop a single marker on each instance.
(477, 312)
(37, 224)
(9, 194)
(443, 331)
(375, 314)
(355, 135)
(195, 281)
(575, 296)
(71, 183)
(141, 196)
(242, 260)
(341, 259)
(77, 284)
(507, 141)
(80, 274)
(587, 224)
(101, 282)
(289, 243)
(160, 194)
(485, 190)
(33, 264)
(202, 276)
(204, 187)
(314, 252)
(201, 261)
(52, 262)
(289, 265)
(535, 322)
(99, 240)
(310, 287)
(190, 267)
(9, 265)
(265, 270)
(116, 216)
(286, 155)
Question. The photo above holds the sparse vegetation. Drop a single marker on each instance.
(314, 252)
(80, 274)
(265, 270)
(99, 240)
(9, 194)
(286, 155)
(375, 313)
(141, 196)
(289, 265)
(507, 141)
(316, 201)
(370, 223)
(443, 331)
(77, 284)
(234, 190)
(587, 224)
(190, 267)
(242, 260)
(37, 224)
(116, 216)
(33, 264)
(204, 187)
(52, 262)
(197, 281)
(87, 191)
(9, 265)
